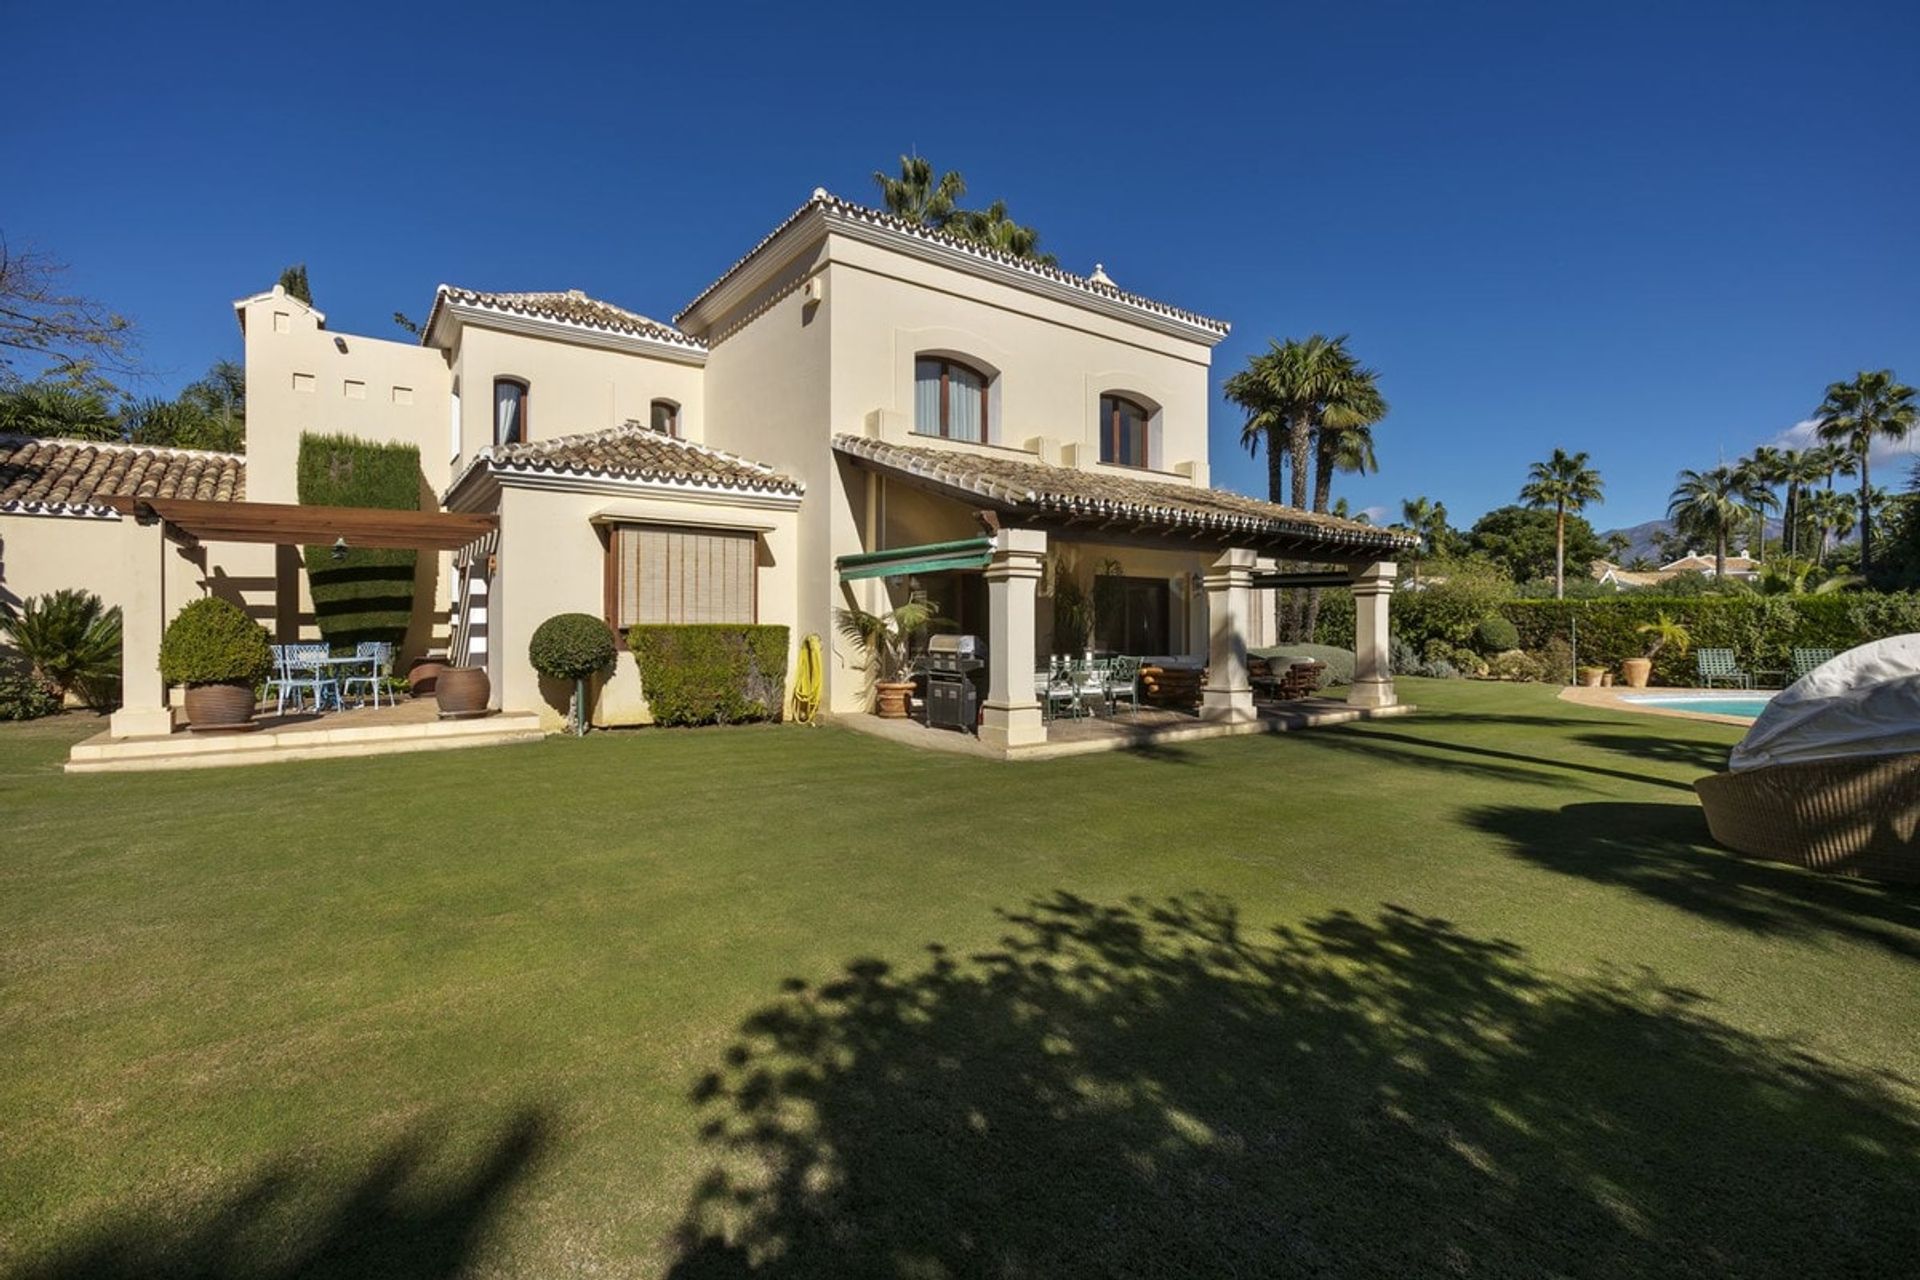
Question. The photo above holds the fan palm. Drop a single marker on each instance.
(1567, 484)
(1428, 519)
(918, 195)
(1874, 406)
(1829, 512)
(50, 409)
(69, 640)
(1756, 474)
(1710, 504)
(991, 228)
(1800, 470)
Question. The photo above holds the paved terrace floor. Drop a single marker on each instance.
(410, 725)
(1143, 730)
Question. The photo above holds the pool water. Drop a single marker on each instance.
(1747, 706)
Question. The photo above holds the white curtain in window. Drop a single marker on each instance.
(506, 412)
(926, 397)
(965, 391)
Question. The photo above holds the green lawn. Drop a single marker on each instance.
(1462, 994)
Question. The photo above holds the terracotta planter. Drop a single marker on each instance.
(893, 696)
(219, 708)
(422, 674)
(1636, 671)
(1590, 677)
(1606, 680)
(462, 692)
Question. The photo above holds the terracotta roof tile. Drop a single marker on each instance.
(75, 475)
(1033, 487)
(637, 452)
(570, 306)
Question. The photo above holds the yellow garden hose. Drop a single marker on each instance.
(806, 682)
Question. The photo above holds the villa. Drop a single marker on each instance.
(857, 409)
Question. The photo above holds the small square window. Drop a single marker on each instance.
(303, 382)
(403, 395)
(356, 390)
(282, 322)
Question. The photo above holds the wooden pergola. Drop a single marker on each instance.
(191, 521)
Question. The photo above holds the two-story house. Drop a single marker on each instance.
(857, 409)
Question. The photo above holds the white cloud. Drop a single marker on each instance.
(1374, 514)
(1882, 454)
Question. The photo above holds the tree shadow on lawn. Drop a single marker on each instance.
(1487, 762)
(1665, 852)
(394, 1220)
(1707, 757)
(1155, 1089)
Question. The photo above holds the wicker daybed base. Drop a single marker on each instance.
(1854, 817)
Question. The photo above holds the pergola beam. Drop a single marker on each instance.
(297, 524)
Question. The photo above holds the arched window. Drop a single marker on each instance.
(665, 418)
(1123, 431)
(949, 399)
(509, 411)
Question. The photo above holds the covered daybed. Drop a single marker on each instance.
(1829, 775)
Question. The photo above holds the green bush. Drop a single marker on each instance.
(367, 594)
(1339, 661)
(24, 695)
(711, 673)
(571, 646)
(213, 641)
(70, 642)
(1496, 635)
(1513, 664)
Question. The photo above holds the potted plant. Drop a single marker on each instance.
(1590, 677)
(572, 646)
(221, 655)
(1665, 632)
(886, 637)
(462, 692)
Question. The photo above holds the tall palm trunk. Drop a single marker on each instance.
(1720, 552)
(1793, 517)
(1560, 551)
(1277, 493)
(1299, 449)
(1322, 499)
(1866, 514)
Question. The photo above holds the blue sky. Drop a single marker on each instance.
(1651, 232)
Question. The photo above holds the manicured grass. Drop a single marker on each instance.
(1466, 994)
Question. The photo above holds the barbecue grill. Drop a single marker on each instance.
(954, 677)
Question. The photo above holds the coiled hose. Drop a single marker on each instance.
(806, 682)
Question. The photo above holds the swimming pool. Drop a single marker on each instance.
(1747, 706)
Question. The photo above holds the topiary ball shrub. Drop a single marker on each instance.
(213, 641)
(1496, 635)
(571, 646)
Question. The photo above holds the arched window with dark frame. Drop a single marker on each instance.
(1124, 425)
(664, 417)
(509, 411)
(949, 400)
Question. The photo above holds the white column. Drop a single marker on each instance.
(1010, 716)
(1372, 667)
(1228, 696)
(143, 616)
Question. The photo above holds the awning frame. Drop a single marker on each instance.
(966, 554)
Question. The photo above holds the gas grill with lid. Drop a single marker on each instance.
(954, 676)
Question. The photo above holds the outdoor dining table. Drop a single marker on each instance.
(339, 668)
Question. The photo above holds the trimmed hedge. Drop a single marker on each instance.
(368, 594)
(213, 641)
(571, 646)
(711, 673)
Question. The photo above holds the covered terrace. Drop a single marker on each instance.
(1186, 575)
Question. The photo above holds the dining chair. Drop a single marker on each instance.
(280, 683)
(310, 670)
(378, 657)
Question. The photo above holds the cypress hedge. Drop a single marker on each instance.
(367, 594)
(711, 673)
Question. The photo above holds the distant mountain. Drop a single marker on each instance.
(1641, 538)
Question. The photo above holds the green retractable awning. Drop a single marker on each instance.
(928, 557)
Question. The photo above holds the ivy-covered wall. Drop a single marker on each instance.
(368, 593)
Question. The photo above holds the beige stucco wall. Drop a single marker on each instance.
(572, 388)
(44, 553)
(302, 377)
(552, 560)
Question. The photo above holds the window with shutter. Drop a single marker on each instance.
(676, 574)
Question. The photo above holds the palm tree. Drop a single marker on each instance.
(53, 409)
(1761, 470)
(1800, 470)
(69, 640)
(1828, 513)
(1428, 519)
(1343, 442)
(1566, 483)
(993, 229)
(918, 196)
(1709, 504)
(1874, 406)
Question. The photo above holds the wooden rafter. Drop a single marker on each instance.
(290, 524)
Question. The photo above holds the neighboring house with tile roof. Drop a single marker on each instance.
(1740, 566)
(853, 388)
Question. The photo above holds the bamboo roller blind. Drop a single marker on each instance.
(664, 574)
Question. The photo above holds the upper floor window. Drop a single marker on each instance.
(949, 400)
(1123, 431)
(509, 411)
(665, 417)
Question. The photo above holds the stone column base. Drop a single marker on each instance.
(1372, 692)
(1016, 725)
(1228, 706)
(142, 722)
